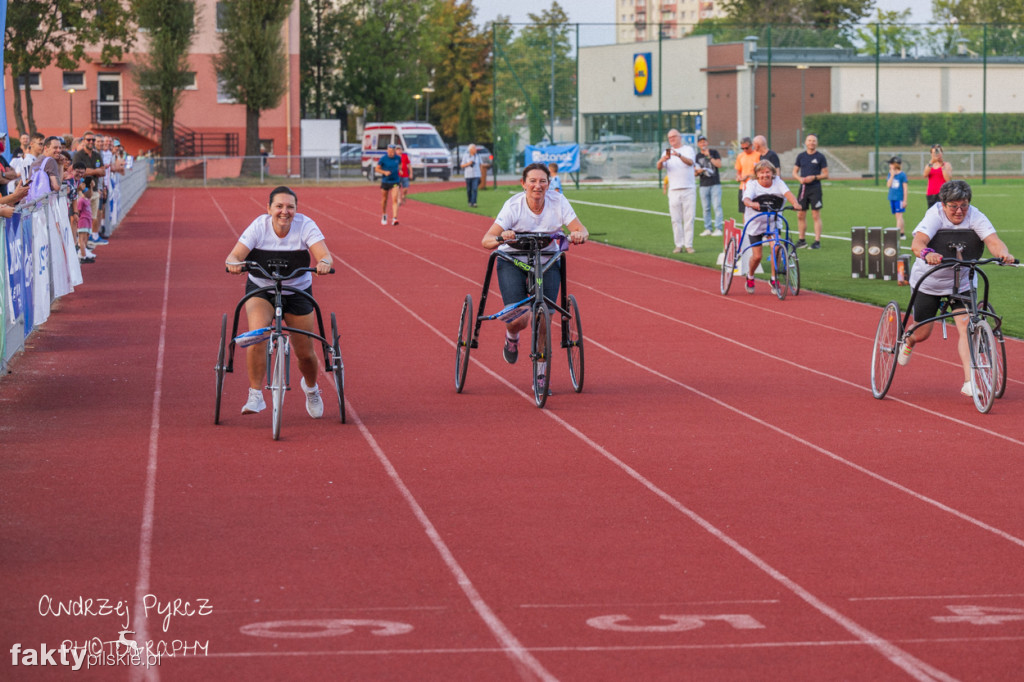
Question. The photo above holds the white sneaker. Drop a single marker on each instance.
(904, 354)
(705, 233)
(255, 403)
(314, 405)
(967, 390)
(384, 219)
(716, 233)
(89, 254)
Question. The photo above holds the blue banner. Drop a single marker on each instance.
(15, 264)
(567, 156)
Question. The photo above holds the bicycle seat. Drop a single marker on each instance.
(770, 202)
(946, 242)
(282, 261)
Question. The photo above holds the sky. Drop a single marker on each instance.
(602, 11)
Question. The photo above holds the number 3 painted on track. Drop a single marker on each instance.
(623, 623)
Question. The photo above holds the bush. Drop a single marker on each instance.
(911, 130)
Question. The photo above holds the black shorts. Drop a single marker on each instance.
(513, 282)
(932, 199)
(388, 185)
(810, 196)
(927, 305)
(291, 304)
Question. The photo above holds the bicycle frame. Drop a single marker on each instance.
(972, 309)
(771, 235)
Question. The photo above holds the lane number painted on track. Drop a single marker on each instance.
(674, 623)
(306, 629)
(981, 615)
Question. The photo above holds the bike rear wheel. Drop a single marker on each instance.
(463, 342)
(573, 331)
(219, 368)
(540, 354)
(337, 367)
(277, 383)
(984, 360)
(887, 346)
(728, 265)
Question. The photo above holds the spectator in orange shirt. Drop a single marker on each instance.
(745, 162)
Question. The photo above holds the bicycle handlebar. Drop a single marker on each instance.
(983, 261)
(248, 265)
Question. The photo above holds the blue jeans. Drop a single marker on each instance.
(471, 185)
(711, 197)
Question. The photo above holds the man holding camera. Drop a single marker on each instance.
(678, 163)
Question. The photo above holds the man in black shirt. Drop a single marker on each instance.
(94, 172)
(707, 163)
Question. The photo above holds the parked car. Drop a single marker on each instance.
(487, 158)
(428, 156)
(622, 154)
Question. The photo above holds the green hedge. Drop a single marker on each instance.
(907, 130)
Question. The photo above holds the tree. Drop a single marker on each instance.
(323, 23)
(383, 55)
(896, 36)
(43, 32)
(460, 72)
(162, 73)
(817, 14)
(252, 63)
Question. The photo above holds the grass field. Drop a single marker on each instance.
(637, 218)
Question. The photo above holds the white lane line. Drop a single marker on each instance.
(142, 580)
(528, 666)
(616, 605)
(939, 596)
(913, 666)
(611, 648)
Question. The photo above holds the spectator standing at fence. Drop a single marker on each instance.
(760, 145)
(472, 167)
(94, 172)
(937, 173)
(556, 184)
(7, 173)
(898, 191)
(810, 169)
(710, 187)
(678, 164)
(32, 150)
(745, 161)
(47, 169)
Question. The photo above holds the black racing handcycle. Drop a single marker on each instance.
(278, 267)
(961, 251)
(528, 255)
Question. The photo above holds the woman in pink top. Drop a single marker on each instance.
(937, 172)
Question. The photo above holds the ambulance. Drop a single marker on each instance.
(428, 155)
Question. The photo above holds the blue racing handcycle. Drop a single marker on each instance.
(279, 267)
(961, 251)
(529, 248)
(785, 266)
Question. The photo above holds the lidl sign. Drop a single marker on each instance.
(642, 74)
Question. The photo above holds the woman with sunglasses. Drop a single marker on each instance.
(937, 172)
(952, 212)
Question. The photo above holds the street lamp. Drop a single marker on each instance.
(417, 97)
(428, 90)
(71, 112)
(802, 68)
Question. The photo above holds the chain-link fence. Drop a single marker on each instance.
(868, 92)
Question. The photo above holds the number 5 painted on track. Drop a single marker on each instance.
(981, 615)
(305, 629)
(623, 623)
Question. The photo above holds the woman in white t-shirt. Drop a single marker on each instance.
(952, 211)
(766, 184)
(286, 231)
(535, 209)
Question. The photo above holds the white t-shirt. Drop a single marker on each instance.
(941, 283)
(302, 234)
(516, 215)
(754, 190)
(680, 174)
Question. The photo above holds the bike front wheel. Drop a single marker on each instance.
(780, 270)
(997, 332)
(984, 360)
(886, 348)
(540, 354)
(277, 383)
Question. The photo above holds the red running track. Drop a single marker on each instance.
(724, 501)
